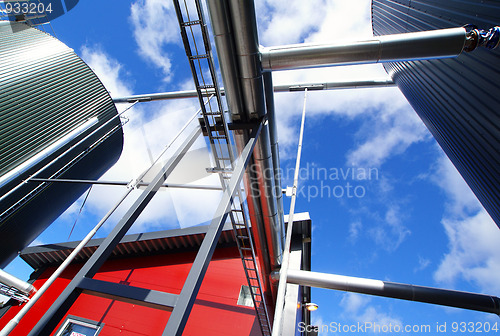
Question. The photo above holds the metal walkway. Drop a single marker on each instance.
(214, 124)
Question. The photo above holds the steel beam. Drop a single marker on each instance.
(440, 43)
(444, 297)
(57, 310)
(180, 314)
(135, 295)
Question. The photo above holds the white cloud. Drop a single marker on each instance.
(392, 232)
(473, 253)
(389, 124)
(392, 135)
(357, 307)
(288, 22)
(423, 263)
(155, 26)
(354, 229)
(151, 127)
(461, 200)
(108, 70)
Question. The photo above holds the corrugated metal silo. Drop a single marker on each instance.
(458, 99)
(51, 106)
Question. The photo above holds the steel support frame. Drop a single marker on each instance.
(185, 302)
(57, 310)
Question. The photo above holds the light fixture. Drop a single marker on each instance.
(311, 306)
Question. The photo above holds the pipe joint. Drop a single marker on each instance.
(489, 39)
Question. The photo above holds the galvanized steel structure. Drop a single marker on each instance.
(246, 72)
(458, 99)
(52, 112)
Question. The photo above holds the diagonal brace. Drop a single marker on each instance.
(185, 302)
(57, 310)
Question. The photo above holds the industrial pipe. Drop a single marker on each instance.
(235, 34)
(367, 83)
(389, 48)
(63, 142)
(444, 297)
(11, 281)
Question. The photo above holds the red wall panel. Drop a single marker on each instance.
(215, 311)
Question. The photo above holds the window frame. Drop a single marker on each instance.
(80, 321)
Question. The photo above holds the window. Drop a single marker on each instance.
(77, 326)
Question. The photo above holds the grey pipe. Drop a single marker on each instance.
(242, 16)
(399, 47)
(159, 96)
(368, 83)
(11, 281)
(235, 34)
(444, 297)
(224, 42)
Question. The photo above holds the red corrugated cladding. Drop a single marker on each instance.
(215, 311)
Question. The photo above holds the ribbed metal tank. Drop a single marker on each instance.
(458, 99)
(51, 106)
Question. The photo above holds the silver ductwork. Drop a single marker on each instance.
(398, 47)
(11, 281)
(236, 40)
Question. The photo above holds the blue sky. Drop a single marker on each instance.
(413, 220)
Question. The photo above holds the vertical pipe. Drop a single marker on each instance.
(280, 301)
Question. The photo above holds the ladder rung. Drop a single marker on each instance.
(213, 113)
(193, 57)
(243, 237)
(246, 248)
(190, 23)
(208, 86)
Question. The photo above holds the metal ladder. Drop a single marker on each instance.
(217, 132)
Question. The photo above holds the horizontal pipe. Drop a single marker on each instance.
(123, 183)
(440, 43)
(444, 297)
(160, 96)
(11, 281)
(371, 83)
(368, 83)
(47, 152)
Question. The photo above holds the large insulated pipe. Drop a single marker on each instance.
(11, 281)
(389, 48)
(235, 35)
(244, 22)
(445, 297)
(242, 16)
(224, 42)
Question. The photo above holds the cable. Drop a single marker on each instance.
(79, 213)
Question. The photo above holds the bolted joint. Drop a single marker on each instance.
(489, 39)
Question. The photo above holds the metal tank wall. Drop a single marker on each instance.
(458, 99)
(51, 105)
